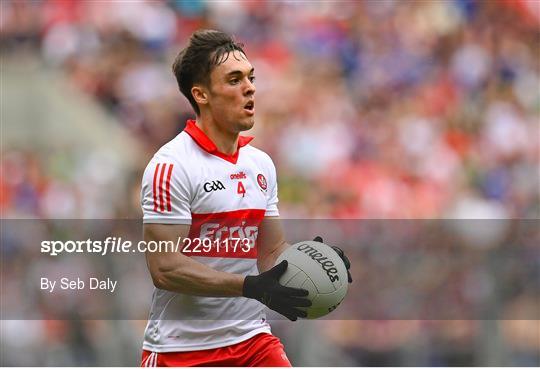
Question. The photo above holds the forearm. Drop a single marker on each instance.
(176, 272)
(188, 276)
(267, 261)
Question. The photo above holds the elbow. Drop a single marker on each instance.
(160, 281)
(166, 278)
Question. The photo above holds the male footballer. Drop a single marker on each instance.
(217, 194)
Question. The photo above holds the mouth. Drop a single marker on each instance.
(249, 108)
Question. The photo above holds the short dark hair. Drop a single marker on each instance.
(206, 49)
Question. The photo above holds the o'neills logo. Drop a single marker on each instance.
(240, 175)
(328, 265)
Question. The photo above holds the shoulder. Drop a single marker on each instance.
(264, 162)
(259, 156)
(176, 157)
(176, 151)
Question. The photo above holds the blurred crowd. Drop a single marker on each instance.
(370, 109)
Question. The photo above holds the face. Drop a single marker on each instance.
(231, 94)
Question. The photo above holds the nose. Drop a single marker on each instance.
(250, 88)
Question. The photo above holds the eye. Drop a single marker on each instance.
(234, 81)
(252, 79)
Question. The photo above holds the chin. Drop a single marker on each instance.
(247, 124)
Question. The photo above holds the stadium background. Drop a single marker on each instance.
(370, 109)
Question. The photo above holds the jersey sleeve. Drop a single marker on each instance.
(165, 197)
(271, 207)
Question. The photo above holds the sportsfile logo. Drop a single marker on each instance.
(213, 186)
(328, 265)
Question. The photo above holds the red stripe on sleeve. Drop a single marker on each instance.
(161, 175)
(154, 187)
(168, 188)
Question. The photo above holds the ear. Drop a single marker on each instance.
(200, 94)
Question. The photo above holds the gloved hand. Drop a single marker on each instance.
(341, 255)
(265, 288)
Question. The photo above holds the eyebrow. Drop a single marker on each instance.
(236, 72)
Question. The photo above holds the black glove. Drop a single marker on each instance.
(341, 255)
(265, 288)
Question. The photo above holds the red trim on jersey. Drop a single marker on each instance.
(224, 229)
(154, 187)
(161, 204)
(168, 187)
(241, 214)
(207, 145)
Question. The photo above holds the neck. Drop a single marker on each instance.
(226, 142)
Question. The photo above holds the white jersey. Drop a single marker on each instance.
(223, 197)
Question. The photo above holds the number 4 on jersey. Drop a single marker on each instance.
(241, 190)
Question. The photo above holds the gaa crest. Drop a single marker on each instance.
(261, 180)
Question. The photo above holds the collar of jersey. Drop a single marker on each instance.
(207, 145)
